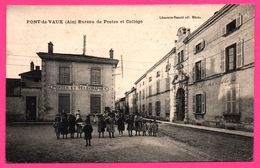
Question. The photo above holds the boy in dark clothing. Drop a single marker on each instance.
(57, 126)
(155, 128)
(87, 129)
(101, 126)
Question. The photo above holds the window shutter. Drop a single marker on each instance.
(225, 100)
(239, 21)
(193, 74)
(222, 61)
(203, 68)
(212, 66)
(203, 44)
(176, 59)
(237, 100)
(228, 101)
(203, 103)
(239, 54)
(224, 30)
(194, 49)
(194, 104)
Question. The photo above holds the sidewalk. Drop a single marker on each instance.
(212, 129)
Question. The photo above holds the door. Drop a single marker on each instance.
(31, 107)
(64, 103)
(95, 103)
(180, 105)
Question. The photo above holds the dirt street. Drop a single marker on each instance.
(38, 144)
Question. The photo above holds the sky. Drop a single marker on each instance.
(136, 32)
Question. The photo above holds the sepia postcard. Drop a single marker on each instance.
(130, 83)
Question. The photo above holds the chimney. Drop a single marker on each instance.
(111, 53)
(37, 68)
(31, 66)
(188, 31)
(50, 48)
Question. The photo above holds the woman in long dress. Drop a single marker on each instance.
(120, 124)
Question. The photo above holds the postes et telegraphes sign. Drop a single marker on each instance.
(79, 87)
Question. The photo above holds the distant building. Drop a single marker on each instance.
(120, 105)
(130, 98)
(23, 96)
(153, 89)
(72, 82)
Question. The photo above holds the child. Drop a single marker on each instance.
(79, 123)
(101, 126)
(144, 127)
(130, 125)
(57, 126)
(150, 128)
(87, 129)
(155, 128)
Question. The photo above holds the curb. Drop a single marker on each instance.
(213, 129)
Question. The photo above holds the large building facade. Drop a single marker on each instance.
(73, 82)
(218, 70)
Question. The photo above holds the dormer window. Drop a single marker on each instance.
(158, 74)
(199, 46)
(232, 25)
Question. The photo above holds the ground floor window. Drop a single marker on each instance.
(64, 103)
(31, 107)
(232, 113)
(199, 104)
(150, 109)
(158, 108)
(167, 108)
(143, 108)
(95, 103)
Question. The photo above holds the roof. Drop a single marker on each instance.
(207, 23)
(120, 100)
(156, 64)
(35, 74)
(11, 84)
(77, 58)
(132, 90)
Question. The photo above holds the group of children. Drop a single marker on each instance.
(150, 127)
(107, 123)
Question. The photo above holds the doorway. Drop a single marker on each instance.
(30, 107)
(180, 105)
